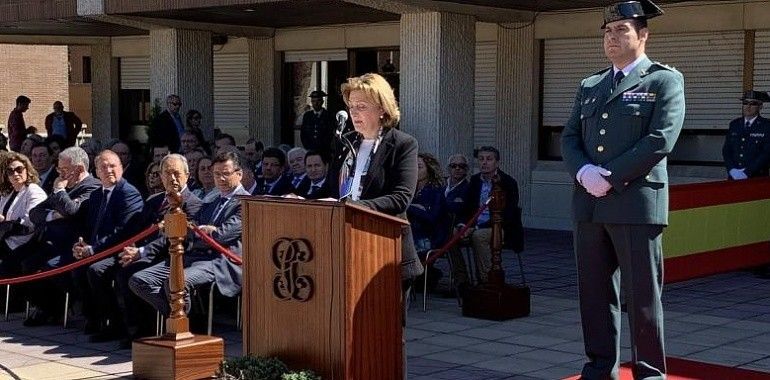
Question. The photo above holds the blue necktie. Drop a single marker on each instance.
(218, 210)
(100, 214)
(617, 79)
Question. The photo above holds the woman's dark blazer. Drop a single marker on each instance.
(389, 187)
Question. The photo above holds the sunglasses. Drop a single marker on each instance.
(458, 166)
(750, 103)
(17, 170)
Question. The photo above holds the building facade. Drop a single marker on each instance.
(467, 73)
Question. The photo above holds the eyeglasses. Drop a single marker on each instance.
(154, 174)
(176, 103)
(751, 103)
(17, 170)
(458, 166)
(194, 117)
(223, 174)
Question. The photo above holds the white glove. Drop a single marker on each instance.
(738, 174)
(594, 182)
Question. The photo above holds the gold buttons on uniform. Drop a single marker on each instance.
(602, 131)
(600, 148)
(605, 115)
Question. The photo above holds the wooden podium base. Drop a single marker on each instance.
(188, 359)
(496, 302)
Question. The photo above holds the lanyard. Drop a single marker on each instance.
(349, 170)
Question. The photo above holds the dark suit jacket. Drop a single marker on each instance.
(228, 276)
(628, 131)
(47, 185)
(748, 148)
(155, 209)
(304, 188)
(389, 187)
(283, 187)
(124, 201)
(317, 132)
(455, 202)
(62, 232)
(163, 131)
(513, 232)
(73, 124)
(427, 222)
(134, 174)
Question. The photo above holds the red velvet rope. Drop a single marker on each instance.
(235, 259)
(436, 253)
(88, 260)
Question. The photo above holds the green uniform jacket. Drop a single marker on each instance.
(629, 132)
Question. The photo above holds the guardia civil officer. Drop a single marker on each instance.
(747, 145)
(625, 121)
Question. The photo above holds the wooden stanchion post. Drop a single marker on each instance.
(178, 354)
(495, 299)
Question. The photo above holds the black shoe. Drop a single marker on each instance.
(38, 318)
(107, 336)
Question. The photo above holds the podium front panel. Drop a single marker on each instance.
(322, 288)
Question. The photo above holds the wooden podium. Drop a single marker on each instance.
(322, 287)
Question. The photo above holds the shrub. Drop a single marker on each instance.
(259, 368)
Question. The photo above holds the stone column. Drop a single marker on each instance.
(436, 91)
(264, 91)
(105, 86)
(181, 62)
(516, 105)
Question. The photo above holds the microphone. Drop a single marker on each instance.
(342, 118)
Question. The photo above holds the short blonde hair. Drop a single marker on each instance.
(379, 91)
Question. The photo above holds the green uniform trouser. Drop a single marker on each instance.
(600, 250)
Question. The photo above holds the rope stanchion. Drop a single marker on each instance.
(457, 236)
(88, 260)
(235, 259)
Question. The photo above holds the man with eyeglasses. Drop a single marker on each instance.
(746, 150)
(457, 184)
(167, 128)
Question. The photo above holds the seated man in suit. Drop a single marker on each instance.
(107, 215)
(314, 185)
(41, 157)
(220, 219)
(174, 174)
(296, 157)
(479, 191)
(273, 182)
(58, 228)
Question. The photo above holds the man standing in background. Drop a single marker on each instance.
(17, 129)
(63, 123)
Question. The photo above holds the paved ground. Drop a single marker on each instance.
(722, 319)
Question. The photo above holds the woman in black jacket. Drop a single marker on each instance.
(382, 175)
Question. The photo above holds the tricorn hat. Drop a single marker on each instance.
(642, 9)
(317, 94)
(756, 95)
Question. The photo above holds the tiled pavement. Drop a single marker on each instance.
(722, 319)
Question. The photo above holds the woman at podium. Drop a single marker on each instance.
(378, 167)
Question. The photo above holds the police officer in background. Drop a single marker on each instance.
(747, 146)
(317, 129)
(625, 121)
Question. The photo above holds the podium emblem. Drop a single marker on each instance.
(288, 283)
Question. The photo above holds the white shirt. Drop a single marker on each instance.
(745, 120)
(363, 156)
(631, 66)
